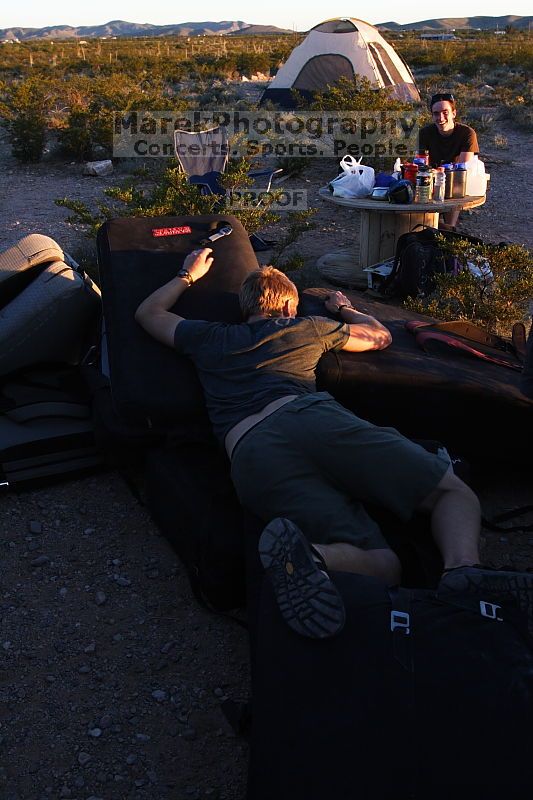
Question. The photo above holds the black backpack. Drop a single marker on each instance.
(417, 260)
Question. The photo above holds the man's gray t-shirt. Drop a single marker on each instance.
(244, 367)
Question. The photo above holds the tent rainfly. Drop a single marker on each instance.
(338, 48)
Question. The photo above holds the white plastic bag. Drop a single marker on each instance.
(476, 178)
(356, 180)
(481, 270)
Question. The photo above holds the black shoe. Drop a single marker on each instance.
(308, 600)
(489, 584)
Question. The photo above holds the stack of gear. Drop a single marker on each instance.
(48, 312)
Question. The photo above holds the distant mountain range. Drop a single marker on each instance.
(119, 28)
(134, 29)
(450, 23)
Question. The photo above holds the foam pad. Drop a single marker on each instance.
(474, 407)
(149, 380)
(29, 252)
(49, 319)
(376, 715)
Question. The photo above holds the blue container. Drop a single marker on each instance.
(384, 179)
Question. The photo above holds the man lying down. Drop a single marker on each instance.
(304, 463)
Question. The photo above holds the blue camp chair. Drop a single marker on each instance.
(203, 156)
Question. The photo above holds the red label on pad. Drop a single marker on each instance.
(171, 231)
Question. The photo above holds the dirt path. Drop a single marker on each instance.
(111, 675)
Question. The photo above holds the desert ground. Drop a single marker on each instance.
(111, 675)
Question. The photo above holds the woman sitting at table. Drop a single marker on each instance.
(448, 141)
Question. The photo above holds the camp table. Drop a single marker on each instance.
(382, 223)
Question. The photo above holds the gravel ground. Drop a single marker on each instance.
(112, 676)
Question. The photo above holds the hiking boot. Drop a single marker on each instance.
(489, 584)
(308, 600)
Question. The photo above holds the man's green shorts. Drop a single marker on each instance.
(316, 463)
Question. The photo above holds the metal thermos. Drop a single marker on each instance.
(459, 181)
(448, 181)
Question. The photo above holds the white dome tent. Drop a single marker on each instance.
(336, 48)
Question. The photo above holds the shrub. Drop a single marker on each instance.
(76, 139)
(357, 95)
(495, 301)
(522, 117)
(169, 194)
(299, 222)
(293, 165)
(24, 113)
(500, 141)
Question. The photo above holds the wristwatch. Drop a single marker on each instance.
(344, 305)
(186, 275)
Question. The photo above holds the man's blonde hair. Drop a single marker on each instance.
(265, 291)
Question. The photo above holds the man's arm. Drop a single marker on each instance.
(366, 333)
(470, 147)
(153, 313)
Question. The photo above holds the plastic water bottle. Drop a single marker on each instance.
(397, 169)
(439, 185)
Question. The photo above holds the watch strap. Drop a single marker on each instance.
(186, 275)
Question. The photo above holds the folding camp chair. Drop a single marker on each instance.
(203, 156)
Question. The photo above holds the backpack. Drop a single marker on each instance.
(417, 260)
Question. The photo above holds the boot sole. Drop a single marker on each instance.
(308, 600)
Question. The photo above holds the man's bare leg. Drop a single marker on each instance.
(455, 518)
(455, 521)
(455, 525)
(343, 557)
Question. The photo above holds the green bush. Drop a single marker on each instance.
(357, 95)
(493, 301)
(293, 165)
(299, 222)
(24, 111)
(76, 139)
(170, 194)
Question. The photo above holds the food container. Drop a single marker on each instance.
(423, 187)
(410, 172)
(421, 158)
